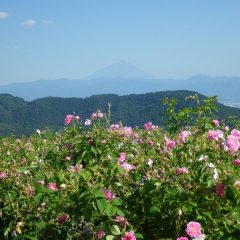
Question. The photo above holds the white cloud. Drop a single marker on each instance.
(29, 23)
(4, 15)
(47, 22)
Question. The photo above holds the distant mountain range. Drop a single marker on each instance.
(22, 117)
(123, 78)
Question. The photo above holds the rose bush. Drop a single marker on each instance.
(96, 180)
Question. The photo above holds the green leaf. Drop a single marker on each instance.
(115, 230)
(37, 198)
(99, 193)
(21, 170)
(93, 150)
(86, 175)
(139, 235)
(154, 210)
(35, 167)
(101, 203)
(40, 225)
(110, 237)
(110, 210)
(30, 237)
(120, 212)
(116, 202)
(60, 177)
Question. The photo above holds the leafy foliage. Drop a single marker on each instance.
(23, 118)
(107, 181)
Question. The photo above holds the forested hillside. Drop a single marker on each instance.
(22, 118)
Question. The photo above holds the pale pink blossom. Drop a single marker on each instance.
(41, 181)
(127, 166)
(194, 229)
(126, 131)
(100, 234)
(216, 122)
(108, 195)
(129, 236)
(100, 114)
(215, 135)
(121, 221)
(68, 119)
(236, 133)
(136, 135)
(68, 158)
(115, 127)
(169, 143)
(94, 116)
(122, 157)
(30, 191)
(182, 238)
(52, 186)
(3, 175)
(183, 136)
(182, 170)
(147, 125)
(97, 115)
(75, 168)
(88, 122)
(232, 144)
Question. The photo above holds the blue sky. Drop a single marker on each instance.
(73, 38)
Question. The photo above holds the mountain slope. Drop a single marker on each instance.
(123, 78)
(225, 88)
(121, 69)
(20, 117)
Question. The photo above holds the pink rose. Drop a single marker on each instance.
(216, 122)
(30, 191)
(220, 189)
(126, 131)
(127, 166)
(108, 195)
(183, 136)
(236, 162)
(41, 181)
(169, 143)
(194, 229)
(181, 170)
(115, 127)
(68, 119)
(215, 134)
(62, 218)
(122, 157)
(3, 175)
(121, 221)
(52, 186)
(150, 143)
(236, 133)
(232, 144)
(147, 126)
(88, 122)
(182, 238)
(100, 234)
(129, 236)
